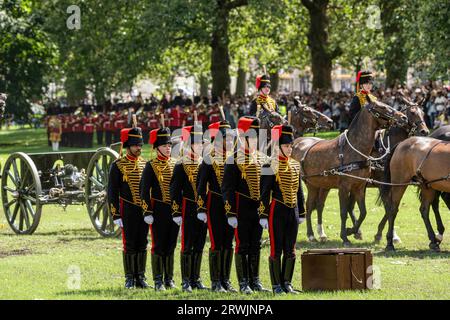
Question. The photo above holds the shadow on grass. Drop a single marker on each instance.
(151, 294)
(82, 232)
(419, 254)
(333, 244)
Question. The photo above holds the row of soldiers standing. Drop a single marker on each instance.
(78, 130)
(229, 198)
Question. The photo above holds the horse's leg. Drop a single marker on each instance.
(437, 215)
(360, 196)
(311, 203)
(427, 196)
(323, 193)
(351, 208)
(382, 223)
(391, 209)
(344, 202)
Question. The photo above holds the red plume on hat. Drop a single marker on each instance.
(185, 133)
(258, 82)
(214, 129)
(276, 132)
(153, 136)
(244, 124)
(124, 135)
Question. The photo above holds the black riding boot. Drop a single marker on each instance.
(168, 272)
(214, 270)
(129, 265)
(255, 282)
(157, 270)
(186, 270)
(141, 263)
(227, 260)
(288, 273)
(242, 273)
(196, 282)
(275, 275)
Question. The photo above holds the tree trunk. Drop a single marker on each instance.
(274, 81)
(395, 59)
(203, 85)
(321, 57)
(241, 83)
(220, 58)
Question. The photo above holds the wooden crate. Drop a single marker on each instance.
(337, 269)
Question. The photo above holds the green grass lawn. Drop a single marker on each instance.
(42, 266)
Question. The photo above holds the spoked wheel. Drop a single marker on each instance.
(96, 192)
(21, 189)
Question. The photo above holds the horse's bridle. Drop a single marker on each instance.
(305, 119)
(412, 126)
(389, 118)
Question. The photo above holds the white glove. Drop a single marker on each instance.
(202, 216)
(233, 222)
(300, 220)
(177, 220)
(118, 222)
(264, 223)
(148, 219)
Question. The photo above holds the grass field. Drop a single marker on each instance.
(45, 265)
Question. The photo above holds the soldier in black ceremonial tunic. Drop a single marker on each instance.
(240, 190)
(211, 206)
(281, 208)
(364, 83)
(156, 204)
(183, 193)
(263, 99)
(125, 206)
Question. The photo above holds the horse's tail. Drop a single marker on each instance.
(385, 190)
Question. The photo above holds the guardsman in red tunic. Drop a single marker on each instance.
(282, 203)
(240, 189)
(125, 205)
(211, 207)
(155, 195)
(55, 128)
(183, 192)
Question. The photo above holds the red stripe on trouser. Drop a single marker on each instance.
(236, 233)
(271, 231)
(183, 208)
(151, 229)
(124, 240)
(211, 234)
(153, 239)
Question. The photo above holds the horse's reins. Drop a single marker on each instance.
(342, 169)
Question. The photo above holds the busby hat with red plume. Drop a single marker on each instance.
(193, 133)
(131, 137)
(362, 78)
(159, 137)
(284, 134)
(248, 122)
(262, 81)
(218, 127)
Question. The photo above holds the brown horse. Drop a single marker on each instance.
(304, 118)
(391, 137)
(422, 160)
(323, 160)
